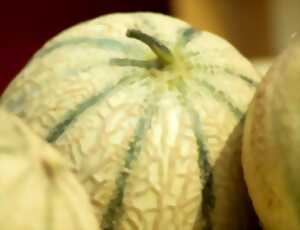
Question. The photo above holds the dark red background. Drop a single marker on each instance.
(26, 24)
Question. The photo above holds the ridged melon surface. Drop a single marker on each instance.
(37, 189)
(157, 148)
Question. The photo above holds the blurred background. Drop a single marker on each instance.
(258, 28)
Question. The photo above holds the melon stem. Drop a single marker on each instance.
(165, 56)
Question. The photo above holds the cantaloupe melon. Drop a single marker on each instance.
(149, 110)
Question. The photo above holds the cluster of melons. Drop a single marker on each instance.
(147, 114)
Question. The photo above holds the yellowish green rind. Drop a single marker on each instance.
(272, 141)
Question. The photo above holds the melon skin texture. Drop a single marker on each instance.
(37, 189)
(272, 141)
(154, 137)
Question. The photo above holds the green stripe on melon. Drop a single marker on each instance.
(206, 172)
(187, 174)
(71, 116)
(101, 43)
(114, 209)
(221, 96)
(187, 35)
(224, 70)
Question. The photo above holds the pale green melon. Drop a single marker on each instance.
(154, 134)
(37, 190)
(271, 149)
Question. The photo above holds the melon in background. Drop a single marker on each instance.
(271, 146)
(149, 111)
(37, 190)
